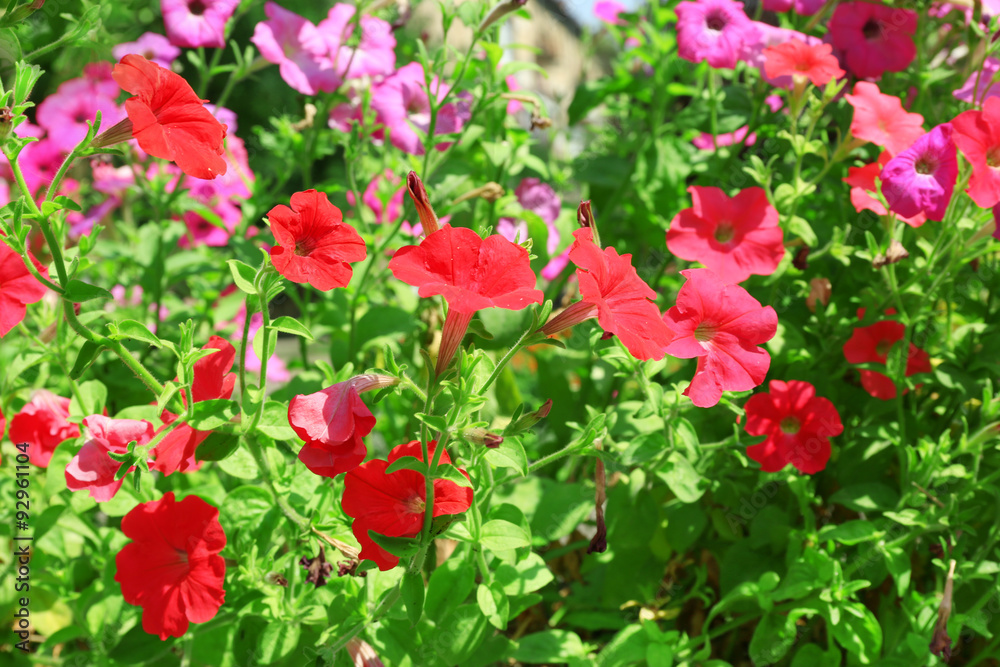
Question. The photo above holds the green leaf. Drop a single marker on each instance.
(407, 463)
(801, 228)
(274, 422)
(772, 638)
(412, 588)
(210, 414)
(459, 634)
(494, 604)
(243, 275)
(859, 632)
(137, 331)
(510, 454)
(88, 354)
(78, 291)
(397, 546)
(292, 326)
(682, 478)
(169, 390)
(452, 474)
(277, 642)
(554, 646)
(867, 497)
(897, 561)
(434, 422)
(850, 532)
(240, 464)
(94, 395)
(217, 446)
(812, 655)
(500, 535)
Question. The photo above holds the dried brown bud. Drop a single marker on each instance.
(940, 642)
(895, 253)
(599, 542)
(319, 569)
(820, 290)
(540, 122)
(276, 579)
(800, 261)
(501, 10)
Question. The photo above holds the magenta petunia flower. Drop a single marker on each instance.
(714, 30)
(64, 115)
(298, 48)
(980, 86)
(922, 178)
(721, 325)
(194, 23)
(875, 38)
(403, 107)
(608, 11)
(375, 53)
(153, 47)
(707, 142)
(803, 7)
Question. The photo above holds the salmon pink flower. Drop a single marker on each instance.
(863, 186)
(713, 30)
(875, 38)
(471, 273)
(194, 23)
(167, 119)
(314, 246)
(871, 344)
(43, 424)
(18, 288)
(172, 567)
(211, 380)
(333, 422)
(92, 468)
(798, 60)
(922, 178)
(721, 325)
(881, 119)
(612, 291)
(798, 425)
(753, 52)
(977, 134)
(735, 237)
(394, 504)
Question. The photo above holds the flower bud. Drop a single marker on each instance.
(372, 382)
(428, 219)
(480, 436)
(532, 418)
(501, 10)
(6, 123)
(362, 655)
(276, 579)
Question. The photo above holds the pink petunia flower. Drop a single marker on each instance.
(714, 30)
(862, 182)
(881, 119)
(151, 46)
(194, 23)
(298, 48)
(64, 115)
(734, 237)
(277, 371)
(875, 38)
(706, 142)
(403, 107)
(980, 86)
(608, 11)
(922, 178)
(92, 468)
(540, 199)
(721, 325)
(977, 134)
(375, 53)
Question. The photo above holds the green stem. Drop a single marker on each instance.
(376, 616)
(264, 464)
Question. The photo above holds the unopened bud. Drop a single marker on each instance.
(532, 418)
(585, 216)
(490, 192)
(540, 122)
(20, 13)
(276, 579)
(372, 382)
(6, 123)
(362, 654)
(480, 436)
(428, 219)
(501, 10)
(895, 253)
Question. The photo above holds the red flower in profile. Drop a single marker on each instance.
(799, 60)
(611, 290)
(333, 422)
(314, 245)
(43, 424)
(862, 182)
(721, 325)
(212, 379)
(871, 344)
(977, 134)
(875, 38)
(798, 425)
(881, 119)
(471, 273)
(172, 568)
(167, 119)
(394, 504)
(18, 288)
(734, 237)
(92, 468)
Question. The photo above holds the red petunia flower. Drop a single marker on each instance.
(977, 134)
(471, 273)
(801, 61)
(43, 424)
(881, 119)
(798, 425)
(314, 245)
(734, 237)
(394, 504)
(18, 288)
(871, 344)
(862, 182)
(92, 468)
(333, 422)
(172, 568)
(612, 291)
(875, 38)
(211, 380)
(721, 325)
(167, 119)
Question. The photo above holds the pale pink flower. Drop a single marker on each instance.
(65, 113)
(152, 46)
(194, 23)
(296, 45)
(374, 54)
